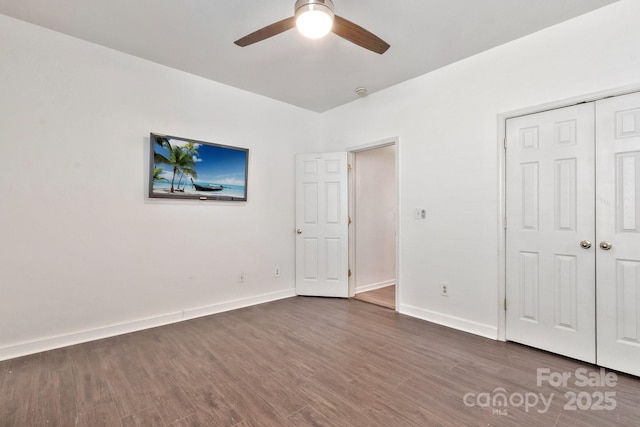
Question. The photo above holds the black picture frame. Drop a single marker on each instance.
(183, 168)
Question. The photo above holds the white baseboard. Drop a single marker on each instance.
(458, 323)
(373, 286)
(234, 305)
(58, 341)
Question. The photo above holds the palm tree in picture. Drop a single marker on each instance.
(180, 160)
(192, 149)
(158, 158)
(157, 174)
(184, 172)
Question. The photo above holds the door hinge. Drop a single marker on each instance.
(348, 168)
(349, 220)
(505, 304)
(504, 222)
(505, 142)
(349, 273)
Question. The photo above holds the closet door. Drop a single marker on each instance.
(550, 231)
(618, 232)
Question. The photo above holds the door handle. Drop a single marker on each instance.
(585, 244)
(605, 245)
(299, 231)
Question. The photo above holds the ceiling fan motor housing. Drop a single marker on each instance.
(306, 5)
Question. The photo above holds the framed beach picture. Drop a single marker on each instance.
(182, 168)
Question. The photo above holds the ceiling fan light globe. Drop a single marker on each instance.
(314, 24)
(314, 18)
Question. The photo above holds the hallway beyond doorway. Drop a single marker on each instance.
(385, 297)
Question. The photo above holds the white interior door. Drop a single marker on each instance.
(550, 277)
(618, 213)
(322, 228)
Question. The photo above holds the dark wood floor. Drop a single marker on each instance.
(302, 362)
(385, 297)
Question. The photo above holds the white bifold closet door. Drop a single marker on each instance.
(550, 211)
(573, 231)
(618, 226)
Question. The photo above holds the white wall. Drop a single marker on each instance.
(375, 217)
(83, 252)
(447, 125)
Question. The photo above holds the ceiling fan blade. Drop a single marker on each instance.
(358, 35)
(266, 32)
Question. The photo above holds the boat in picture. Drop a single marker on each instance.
(208, 187)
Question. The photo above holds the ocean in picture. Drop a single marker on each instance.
(194, 169)
(226, 191)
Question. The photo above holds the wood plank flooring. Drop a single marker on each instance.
(385, 297)
(304, 362)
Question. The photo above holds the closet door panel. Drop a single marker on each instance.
(550, 211)
(618, 232)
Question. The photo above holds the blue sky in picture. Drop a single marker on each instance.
(214, 164)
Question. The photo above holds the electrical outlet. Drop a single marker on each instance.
(444, 289)
(241, 278)
(276, 271)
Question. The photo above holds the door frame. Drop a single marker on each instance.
(351, 151)
(502, 181)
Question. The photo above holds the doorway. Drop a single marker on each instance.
(573, 231)
(373, 233)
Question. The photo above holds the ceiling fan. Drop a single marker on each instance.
(315, 19)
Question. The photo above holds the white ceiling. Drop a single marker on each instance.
(197, 36)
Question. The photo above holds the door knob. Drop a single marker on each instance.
(585, 244)
(299, 231)
(605, 245)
